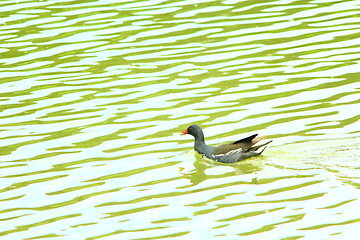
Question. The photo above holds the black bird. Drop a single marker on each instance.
(227, 153)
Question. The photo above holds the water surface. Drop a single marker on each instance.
(94, 96)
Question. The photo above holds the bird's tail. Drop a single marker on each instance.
(255, 148)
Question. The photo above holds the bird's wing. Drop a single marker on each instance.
(245, 144)
(239, 154)
(234, 156)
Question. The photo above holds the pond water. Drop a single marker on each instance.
(94, 95)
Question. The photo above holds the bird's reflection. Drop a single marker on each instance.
(201, 164)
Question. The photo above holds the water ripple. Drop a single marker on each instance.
(95, 94)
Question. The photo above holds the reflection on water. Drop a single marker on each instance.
(95, 94)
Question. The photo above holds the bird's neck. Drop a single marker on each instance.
(200, 138)
(199, 141)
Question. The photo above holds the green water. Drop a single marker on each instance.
(94, 95)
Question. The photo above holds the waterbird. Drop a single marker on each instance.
(227, 153)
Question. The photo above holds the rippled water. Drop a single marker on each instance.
(94, 95)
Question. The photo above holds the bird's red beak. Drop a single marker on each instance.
(183, 132)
